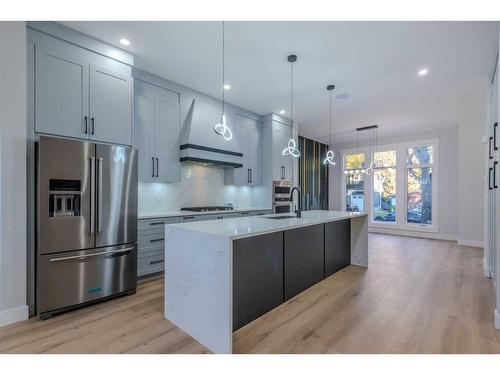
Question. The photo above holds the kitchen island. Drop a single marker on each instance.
(221, 275)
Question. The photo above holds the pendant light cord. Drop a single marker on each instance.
(331, 118)
(291, 95)
(223, 58)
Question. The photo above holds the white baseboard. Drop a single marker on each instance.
(472, 243)
(409, 233)
(13, 315)
(497, 319)
(486, 269)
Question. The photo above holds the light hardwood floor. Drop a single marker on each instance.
(417, 296)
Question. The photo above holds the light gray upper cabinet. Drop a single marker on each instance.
(144, 112)
(110, 106)
(247, 137)
(61, 94)
(156, 133)
(282, 164)
(167, 130)
(75, 97)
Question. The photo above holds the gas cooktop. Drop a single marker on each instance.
(207, 208)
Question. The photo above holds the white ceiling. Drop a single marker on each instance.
(375, 64)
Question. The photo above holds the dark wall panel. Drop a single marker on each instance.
(313, 174)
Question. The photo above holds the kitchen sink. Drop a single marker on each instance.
(279, 217)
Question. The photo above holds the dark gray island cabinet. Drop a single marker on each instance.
(223, 275)
(272, 268)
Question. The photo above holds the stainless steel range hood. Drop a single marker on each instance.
(199, 142)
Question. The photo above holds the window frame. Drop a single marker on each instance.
(401, 185)
(395, 167)
(343, 191)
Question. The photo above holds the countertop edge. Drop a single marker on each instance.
(273, 230)
(152, 215)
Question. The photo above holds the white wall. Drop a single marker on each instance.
(470, 181)
(199, 186)
(12, 172)
(448, 175)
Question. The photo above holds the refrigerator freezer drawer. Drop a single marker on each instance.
(72, 278)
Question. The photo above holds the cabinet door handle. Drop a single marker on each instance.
(156, 261)
(153, 166)
(495, 144)
(93, 125)
(489, 148)
(251, 175)
(157, 240)
(187, 217)
(248, 176)
(86, 125)
(495, 163)
(157, 167)
(157, 223)
(489, 178)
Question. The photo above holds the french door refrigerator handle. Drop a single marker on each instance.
(99, 194)
(92, 194)
(121, 251)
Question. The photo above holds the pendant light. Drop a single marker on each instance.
(330, 155)
(291, 148)
(222, 129)
(373, 146)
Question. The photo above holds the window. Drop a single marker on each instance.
(419, 185)
(354, 182)
(401, 193)
(384, 187)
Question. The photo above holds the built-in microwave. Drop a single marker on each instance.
(281, 197)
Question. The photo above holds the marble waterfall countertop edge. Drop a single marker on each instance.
(241, 227)
(160, 214)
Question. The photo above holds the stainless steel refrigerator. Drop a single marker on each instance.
(86, 223)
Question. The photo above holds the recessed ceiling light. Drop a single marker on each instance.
(423, 72)
(125, 42)
(282, 112)
(227, 87)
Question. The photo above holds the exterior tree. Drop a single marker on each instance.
(420, 181)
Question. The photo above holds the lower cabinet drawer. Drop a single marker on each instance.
(150, 264)
(150, 242)
(151, 224)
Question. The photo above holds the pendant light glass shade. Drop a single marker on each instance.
(221, 128)
(291, 148)
(330, 155)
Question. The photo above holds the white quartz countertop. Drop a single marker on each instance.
(241, 227)
(159, 214)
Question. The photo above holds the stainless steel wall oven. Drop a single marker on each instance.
(281, 197)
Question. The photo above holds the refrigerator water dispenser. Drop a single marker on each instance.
(64, 197)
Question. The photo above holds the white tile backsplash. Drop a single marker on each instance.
(199, 186)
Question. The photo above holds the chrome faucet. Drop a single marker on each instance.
(297, 212)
